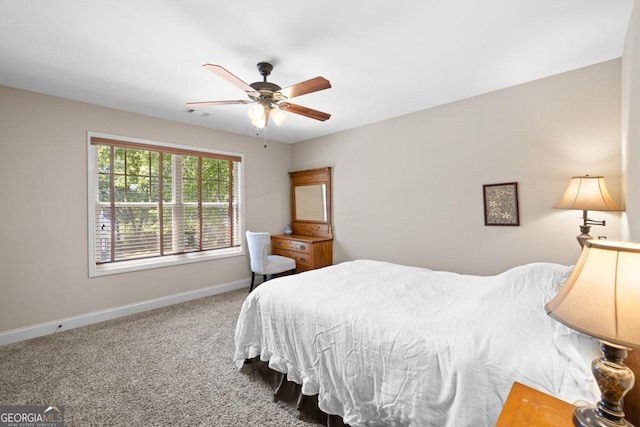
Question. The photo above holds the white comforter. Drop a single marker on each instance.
(390, 345)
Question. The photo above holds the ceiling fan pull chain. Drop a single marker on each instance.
(265, 137)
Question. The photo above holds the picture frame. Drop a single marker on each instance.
(501, 204)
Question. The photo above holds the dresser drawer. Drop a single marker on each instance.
(303, 261)
(309, 252)
(291, 245)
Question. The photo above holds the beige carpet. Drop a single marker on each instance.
(167, 367)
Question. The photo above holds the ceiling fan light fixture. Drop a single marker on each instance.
(259, 123)
(256, 112)
(258, 115)
(278, 116)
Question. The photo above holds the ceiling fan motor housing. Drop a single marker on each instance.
(266, 89)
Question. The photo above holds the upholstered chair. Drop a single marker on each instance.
(262, 262)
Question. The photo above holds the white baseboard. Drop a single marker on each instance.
(52, 327)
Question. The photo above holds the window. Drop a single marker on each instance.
(153, 204)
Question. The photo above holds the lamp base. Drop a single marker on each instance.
(584, 234)
(614, 379)
(587, 416)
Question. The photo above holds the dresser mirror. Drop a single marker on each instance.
(311, 202)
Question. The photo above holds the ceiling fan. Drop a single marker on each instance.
(269, 98)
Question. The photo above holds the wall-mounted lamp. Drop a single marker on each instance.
(587, 193)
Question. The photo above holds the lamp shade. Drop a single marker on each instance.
(601, 297)
(587, 193)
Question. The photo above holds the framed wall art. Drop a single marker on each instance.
(501, 204)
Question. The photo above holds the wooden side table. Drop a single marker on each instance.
(528, 407)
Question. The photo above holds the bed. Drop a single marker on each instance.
(382, 344)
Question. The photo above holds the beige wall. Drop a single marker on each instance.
(631, 127)
(43, 220)
(409, 190)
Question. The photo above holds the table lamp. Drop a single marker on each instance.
(587, 193)
(601, 298)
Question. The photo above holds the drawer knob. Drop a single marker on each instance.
(303, 260)
(302, 247)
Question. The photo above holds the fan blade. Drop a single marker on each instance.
(304, 111)
(302, 88)
(201, 104)
(228, 76)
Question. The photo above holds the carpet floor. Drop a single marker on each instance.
(171, 366)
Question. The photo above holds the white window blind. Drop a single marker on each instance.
(155, 201)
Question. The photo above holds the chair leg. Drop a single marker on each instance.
(253, 277)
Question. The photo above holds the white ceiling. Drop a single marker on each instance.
(383, 58)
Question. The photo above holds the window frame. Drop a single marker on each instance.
(97, 270)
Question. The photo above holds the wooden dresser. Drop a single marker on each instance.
(310, 252)
(311, 243)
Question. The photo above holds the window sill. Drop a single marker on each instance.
(160, 262)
